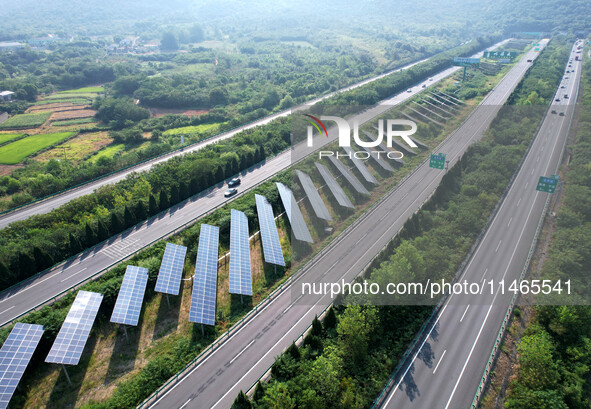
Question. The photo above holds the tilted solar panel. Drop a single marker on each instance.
(361, 167)
(353, 181)
(70, 341)
(315, 200)
(171, 269)
(203, 299)
(131, 296)
(269, 235)
(296, 219)
(334, 187)
(15, 355)
(240, 273)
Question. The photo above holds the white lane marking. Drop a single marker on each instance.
(508, 224)
(464, 314)
(519, 201)
(484, 274)
(526, 183)
(241, 352)
(6, 310)
(498, 245)
(287, 309)
(440, 359)
(72, 275)
(186, 403)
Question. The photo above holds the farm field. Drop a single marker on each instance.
(92, 90)
(15, 152)
(78, 148)
(7, 137)
(26, 120)
(108, 152)
(86, 120)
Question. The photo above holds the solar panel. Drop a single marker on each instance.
(349, 176)
(361, 167)
(379, 158)
(171, 269)
(296, 219)
(383, 147)
(313, 195)
(69, 343)
(131, 295)
(240, 275)
(269, 236)
(15, 355)
(333, 186)
(418, 143)
(204, 294)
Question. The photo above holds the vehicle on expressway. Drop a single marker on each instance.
(234, 182)
(230, 192)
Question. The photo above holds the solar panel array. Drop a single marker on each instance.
(379, 158)
(361, 167)
(349, 176)
(383, 147)
(269, 235)
(334, 187)
(403, 146)
(69, 343)
(315, 200)
(15, 355)
(296, 219)
(131, 296)
(204, 294)
(418, 143)
(240, 274)
(171, 269)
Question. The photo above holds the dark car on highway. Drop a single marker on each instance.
(234, 182)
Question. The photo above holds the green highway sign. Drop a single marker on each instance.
(547, 184)
(437, 161)
(493, 55)
(466, 62)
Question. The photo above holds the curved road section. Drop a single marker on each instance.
(238, 362)
(39, 289)
(446, 370)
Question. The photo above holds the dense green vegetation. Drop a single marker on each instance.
(336, 369)
(555, 351)
(24, 121)
(15, 152)
(7, 137)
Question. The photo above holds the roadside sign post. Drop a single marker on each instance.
(547, 184)
(437, 161)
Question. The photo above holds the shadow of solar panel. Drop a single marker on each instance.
(171, 269)
(379, 159)
(70, 341)
(336, 190)
(353, 181)
(269, 236)
(240, 272)
(384, 147)
(131, 296)
(15, 355)
(203, 299)
(296, 219)
(361, 167)
(313, 196)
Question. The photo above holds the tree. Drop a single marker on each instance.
(196, 33)
(259, 392)
(102, 232)
(7, 278)
(164, 203)
(153, 206)
(330, 319)
(218, 96)
(537, 368)
(169, 42)
(174, 195)
(74, 244)
(140, 211)
(316, 327)
(117, 225)
(277, 397)
(356, 325)
(241, 402)
(42, 259)
(89, 236)
(128, 217)
(26, 265)
(294, 351)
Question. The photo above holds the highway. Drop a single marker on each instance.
(446, 369)
(53, 202)
(30, 293)
(243, 357)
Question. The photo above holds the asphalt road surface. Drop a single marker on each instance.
(237, 363)
(53, 202)
(446, 371)
(39, 289)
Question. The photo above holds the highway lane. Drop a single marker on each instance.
(30, 293)
(446, 371)
(53, 202)
(237, 363)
